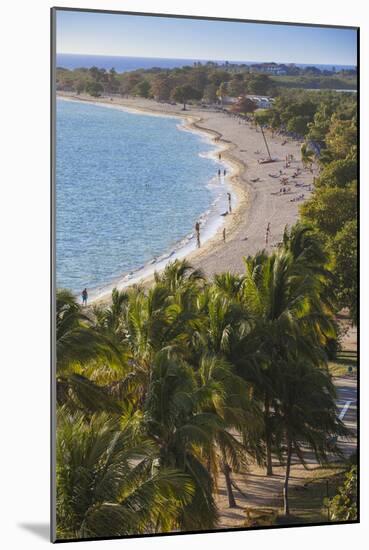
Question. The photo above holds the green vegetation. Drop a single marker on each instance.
(107, 482)
(168, 388)
(316, 82)
(184, 93)
(332, 209)
(343, 507)
(209, 82)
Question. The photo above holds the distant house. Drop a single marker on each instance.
(269, 68)
(262, 102)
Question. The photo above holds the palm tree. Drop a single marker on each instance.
(229, 284)
(306, 412)
(178, 275)
(229, 399)
(170, 320)
(108, 483)
(110, 319)
(162, 317)
(75, 339)
(286, 293)
(78, 344)
(216, 345)
(174, 419)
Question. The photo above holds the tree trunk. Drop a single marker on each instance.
(231, 499)
(287, 477)
(227, 474)
(269, 466)
(268, 443)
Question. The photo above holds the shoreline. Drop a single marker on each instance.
(181, 249)
(259, 201)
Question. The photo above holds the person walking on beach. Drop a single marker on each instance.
(267, 234)
(224, 234)
(219, 173)
(197, 229)
(229, 203)
(84, 297)
(224, 172)
(220, 156)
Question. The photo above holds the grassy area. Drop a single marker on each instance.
(345, 364)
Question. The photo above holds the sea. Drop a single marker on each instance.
(122, 64)
(129, 190)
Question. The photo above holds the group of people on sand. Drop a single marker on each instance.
(299, 198)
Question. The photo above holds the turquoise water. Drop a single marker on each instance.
(129, 187)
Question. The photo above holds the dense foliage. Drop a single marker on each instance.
(209, 80)
(332, 209)
(187, 381)
(343, 507)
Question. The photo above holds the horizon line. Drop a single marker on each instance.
(206, 60)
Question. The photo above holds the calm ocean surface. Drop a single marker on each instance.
(122, 64)
(129, 187)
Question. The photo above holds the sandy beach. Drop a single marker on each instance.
(255, 187)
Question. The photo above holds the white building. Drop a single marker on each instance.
(269, 68)
(263, 102)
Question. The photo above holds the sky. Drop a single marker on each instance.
(145, 36)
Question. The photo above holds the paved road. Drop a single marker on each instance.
(347, 405)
